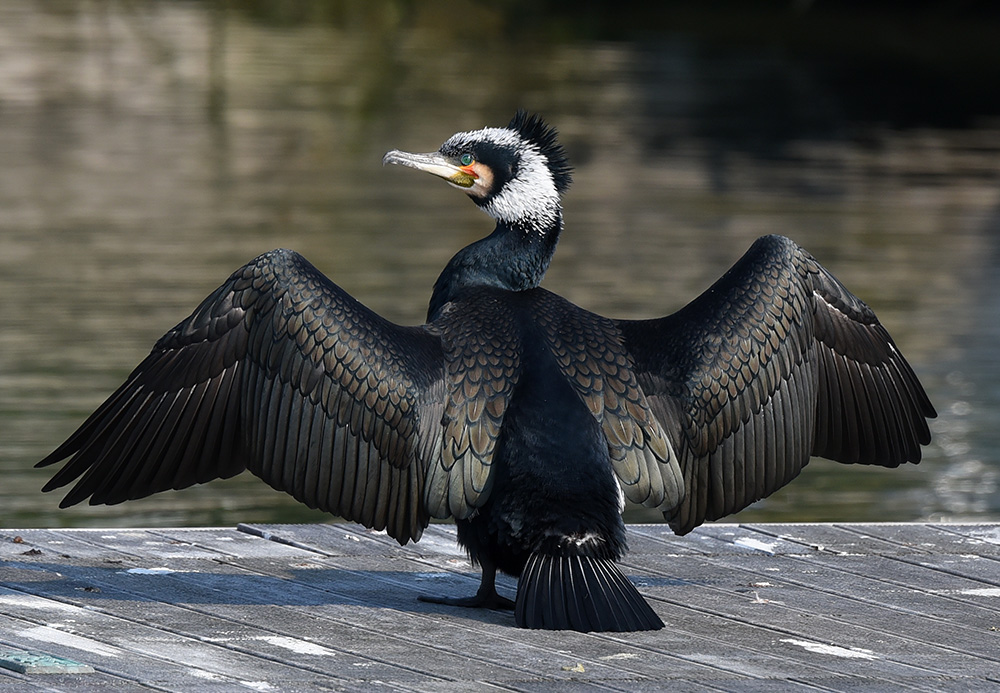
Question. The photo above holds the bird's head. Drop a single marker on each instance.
(516, 174)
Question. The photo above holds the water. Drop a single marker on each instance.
(150, 149)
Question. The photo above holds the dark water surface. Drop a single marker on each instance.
(149, 149)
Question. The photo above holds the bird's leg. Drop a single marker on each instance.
(486, 597)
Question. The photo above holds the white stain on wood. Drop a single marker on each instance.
(54, 636)
(297, 646)
(832, 650)
(756, 544)
(983, 591)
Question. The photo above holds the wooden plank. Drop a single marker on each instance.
(211, 648)
(809, 602)
(67, 683)
(931, 539)
(988, 534)
(346, 594)
(729, 539)
(747, 607)
(740, 547)
(711, 653)
(834, 539)
(939, 592)
(100, 647)
(645, 660)
(458, 629)
(807, 593)
(204, 631)
(38, 662)
(307, 604)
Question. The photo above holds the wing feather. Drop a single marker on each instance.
(282, 372)
(775, 362)
(481, 347)
(588, 350)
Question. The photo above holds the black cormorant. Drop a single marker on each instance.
(526, 418)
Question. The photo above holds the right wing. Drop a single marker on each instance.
(775, 362)
(282, 372)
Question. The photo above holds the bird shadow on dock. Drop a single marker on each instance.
(219, 584)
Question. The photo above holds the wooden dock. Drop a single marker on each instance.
(844, 607)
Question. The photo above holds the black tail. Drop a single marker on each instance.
(580, 593)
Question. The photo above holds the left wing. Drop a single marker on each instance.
(775, 362)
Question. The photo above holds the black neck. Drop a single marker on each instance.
(513, 257)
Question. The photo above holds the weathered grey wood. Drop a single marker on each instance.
(318, 607)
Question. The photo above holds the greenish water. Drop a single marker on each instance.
(149, 149)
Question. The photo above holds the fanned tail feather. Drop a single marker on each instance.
(580, 593)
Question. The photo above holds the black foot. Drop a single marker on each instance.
(488, 600)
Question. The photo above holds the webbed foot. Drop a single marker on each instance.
(486, 597)
(483, 599)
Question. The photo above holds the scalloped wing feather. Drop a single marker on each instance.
(279, 371)
(482, 365)
(775, 362)
(590, 354)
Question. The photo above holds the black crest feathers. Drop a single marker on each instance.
(533, 129)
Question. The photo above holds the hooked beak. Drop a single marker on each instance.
(434, 163)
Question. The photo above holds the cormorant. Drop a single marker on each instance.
(526, 418)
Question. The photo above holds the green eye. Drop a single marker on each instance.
(467, 159)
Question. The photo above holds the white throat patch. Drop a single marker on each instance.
(530, 196)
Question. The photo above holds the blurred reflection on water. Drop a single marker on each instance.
(150, 149)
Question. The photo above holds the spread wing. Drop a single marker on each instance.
(775, 362)
(279, 371)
